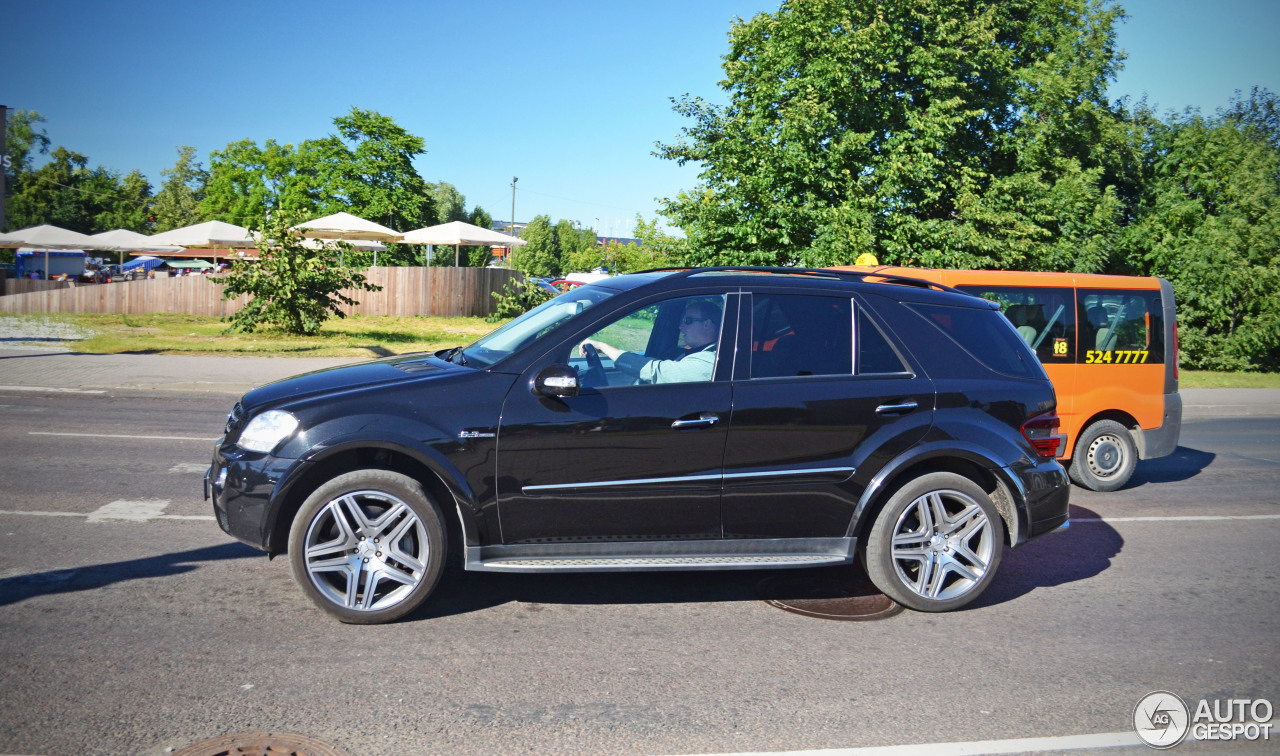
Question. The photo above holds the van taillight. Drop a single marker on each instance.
(1042, 432)
(1175, 351)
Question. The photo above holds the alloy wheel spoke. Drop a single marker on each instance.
(391, 519)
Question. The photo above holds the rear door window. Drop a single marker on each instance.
(985, 335)
(1120, 326)
(1045, 318)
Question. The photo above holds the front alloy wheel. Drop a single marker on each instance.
(367, 547)
(936, 545)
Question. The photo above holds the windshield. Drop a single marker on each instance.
(533, 324)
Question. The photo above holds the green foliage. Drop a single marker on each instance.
(1209, 221)
(479, 257)
(294, 288)
(541, 256)
(23, 138)
(578, 249)
(516, 298)
(248, 182)
(955, 133)
(177, 204)
(450, 204)
(664, 249)
(366, 169)
(66, 192)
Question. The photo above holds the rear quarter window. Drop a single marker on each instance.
(985, 335)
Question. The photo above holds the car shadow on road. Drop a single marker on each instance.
(23, 587)
(1083, 551)
(1183, 464)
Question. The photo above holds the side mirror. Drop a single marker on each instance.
(556, 380)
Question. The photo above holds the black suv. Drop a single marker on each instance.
(710, 418)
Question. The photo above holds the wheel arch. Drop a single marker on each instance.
(972, 464)
(451, 492)
(1120, 416)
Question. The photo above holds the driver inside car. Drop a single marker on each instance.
(699, 328)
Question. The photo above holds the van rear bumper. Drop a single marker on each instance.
(1160, 442)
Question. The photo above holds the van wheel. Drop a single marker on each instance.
(1105, 457)
(936, 544)
(368, 546)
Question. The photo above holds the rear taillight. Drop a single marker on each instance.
(1042, 432)
(1175, 351)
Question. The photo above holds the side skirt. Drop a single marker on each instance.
(728, 554)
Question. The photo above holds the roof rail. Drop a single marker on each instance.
(814, 272)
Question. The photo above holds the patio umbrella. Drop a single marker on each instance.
(458, 233)
(123, 240)
(210, 234)
(347, 227)
(47, 237)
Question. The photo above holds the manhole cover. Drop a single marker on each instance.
(851, 599)
(261, 744)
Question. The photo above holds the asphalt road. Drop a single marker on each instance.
(129, 623)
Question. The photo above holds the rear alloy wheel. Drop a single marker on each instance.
(1105, 457)
(368, 546)
(936, 544)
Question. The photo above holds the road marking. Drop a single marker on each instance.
(110, 435)
(130, 511)
(52, 389)
(190, 467)
(1175, 518)
(136, 511)
(974, 748)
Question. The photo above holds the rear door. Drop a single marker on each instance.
(822, 401)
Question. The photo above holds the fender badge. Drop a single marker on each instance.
(476, 434)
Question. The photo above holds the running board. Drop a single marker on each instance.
(728, 554)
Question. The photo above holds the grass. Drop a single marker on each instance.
(1209, 379)
(189, 334)
(368, 337)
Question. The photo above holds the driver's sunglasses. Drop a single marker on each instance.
(690, 321)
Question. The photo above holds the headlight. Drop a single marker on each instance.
(266, 430)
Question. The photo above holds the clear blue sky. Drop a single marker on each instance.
(569, 96)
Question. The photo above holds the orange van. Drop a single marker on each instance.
(1110, 346)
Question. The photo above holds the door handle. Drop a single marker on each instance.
(893, 409)
(705, 421)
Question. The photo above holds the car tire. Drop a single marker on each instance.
(368, 546)
(1105, 457)
(936, 544)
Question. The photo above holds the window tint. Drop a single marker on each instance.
(1121, 327)
(985, 335)
(797, 335)
(1044, 317)
(875, 355)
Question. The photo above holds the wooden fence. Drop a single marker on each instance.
(405, 291)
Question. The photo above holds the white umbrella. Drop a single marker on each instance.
(458, 233)
(123, 240)
(210, 234)
(350, 228)
(47, 237)
(346, 227)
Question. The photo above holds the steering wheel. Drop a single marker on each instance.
(594, 375)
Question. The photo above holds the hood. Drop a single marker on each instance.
(347, 377)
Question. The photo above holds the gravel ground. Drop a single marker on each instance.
(40, 333)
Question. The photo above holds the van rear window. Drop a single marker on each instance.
(985, 335)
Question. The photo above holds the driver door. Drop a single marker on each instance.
(622, 460)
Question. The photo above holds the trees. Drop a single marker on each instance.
(66, 192)
(293, 287)
(1209, 221)
(541, 256)
(956, 133)
(247, 182)
(177, 204)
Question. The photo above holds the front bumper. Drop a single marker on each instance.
(244, 486)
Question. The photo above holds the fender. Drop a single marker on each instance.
(951, 449)
(464, 498)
